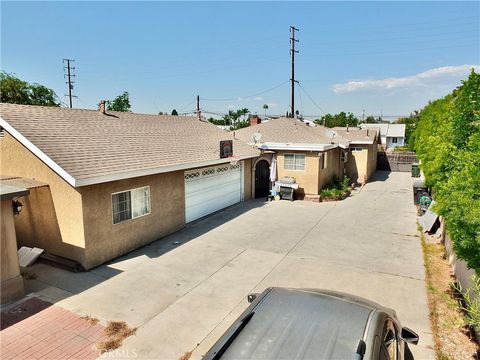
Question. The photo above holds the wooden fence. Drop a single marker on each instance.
(396, 161)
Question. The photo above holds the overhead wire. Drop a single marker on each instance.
(311, 99)
(248, 96)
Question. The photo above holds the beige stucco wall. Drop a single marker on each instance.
(247, 179)
(11, 280)
(333, 167)
(52, 216)
(105, 240)
(362, 164)
(307, 179)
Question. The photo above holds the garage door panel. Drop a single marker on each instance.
(211, 189)
(211, 182)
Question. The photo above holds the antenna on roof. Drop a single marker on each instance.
(256, 137)
(330, 134)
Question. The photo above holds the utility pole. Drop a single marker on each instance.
(292, 52)
(363, 115)
(69, 75)
(199, 114)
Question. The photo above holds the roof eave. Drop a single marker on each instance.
(296, 146)
(37, 152)
(152, 171)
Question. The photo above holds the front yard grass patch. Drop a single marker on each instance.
(451, 333)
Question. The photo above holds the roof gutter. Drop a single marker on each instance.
(151, 171)
(297, 146)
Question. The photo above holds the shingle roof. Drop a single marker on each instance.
(93, 147)
(392, 130)
(285, 130)
(356, 135)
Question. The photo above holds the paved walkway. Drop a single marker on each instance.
(34, 329)
(183, 295)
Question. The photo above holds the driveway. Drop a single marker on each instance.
(183, 291)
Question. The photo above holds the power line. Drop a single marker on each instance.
(311, 99)
(248, 96)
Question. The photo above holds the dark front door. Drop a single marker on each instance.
(262, 181)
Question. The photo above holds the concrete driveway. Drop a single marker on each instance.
(183, 296)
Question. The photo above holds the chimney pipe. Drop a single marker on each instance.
(102, 106)
(255, 120)
(347, 127)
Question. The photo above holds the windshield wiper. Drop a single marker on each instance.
(232, 337)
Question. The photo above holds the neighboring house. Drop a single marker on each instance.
(391, 135)
(362, 155)
(313, 155)
(116, 181)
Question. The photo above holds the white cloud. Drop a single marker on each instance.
(257, 98)
(425, 78)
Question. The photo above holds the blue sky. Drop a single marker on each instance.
(389, 57)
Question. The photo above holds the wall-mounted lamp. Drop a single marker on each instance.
(17, 207)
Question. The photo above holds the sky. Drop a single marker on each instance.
(375, 58)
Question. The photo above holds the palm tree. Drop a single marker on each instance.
(265, 107)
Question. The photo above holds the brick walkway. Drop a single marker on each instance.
(35, 329)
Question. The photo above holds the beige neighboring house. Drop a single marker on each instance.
(11, 280)
(116, 181)
(362, 152)
(312, 154)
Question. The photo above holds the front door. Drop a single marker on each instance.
(262, 179)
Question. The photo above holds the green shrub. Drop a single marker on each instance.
(336, 187)
(447, 141)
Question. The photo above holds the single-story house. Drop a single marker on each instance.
(116, 181)
(362, 152)
(312, 154)
(391, 135)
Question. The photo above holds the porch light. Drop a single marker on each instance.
(17, 207)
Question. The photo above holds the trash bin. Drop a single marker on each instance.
(415, 170)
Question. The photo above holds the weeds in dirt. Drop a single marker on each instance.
(115, 333)
(451, 339)
(91, 320)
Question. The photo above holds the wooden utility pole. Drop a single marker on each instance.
(199, 114)
(292, 52)
(69, 75)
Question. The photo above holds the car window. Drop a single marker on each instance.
(389, 342)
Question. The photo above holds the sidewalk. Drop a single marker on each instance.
(35, 329)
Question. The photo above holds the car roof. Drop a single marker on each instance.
(302, 324)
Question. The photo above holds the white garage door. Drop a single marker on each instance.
(210, 189)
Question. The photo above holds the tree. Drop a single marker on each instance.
(16, 91)
(265, 107)
(341, 119)
(410, 125)
(174, 112)
(371, 120)
(237, 119)
(120, 103)
(447, 141)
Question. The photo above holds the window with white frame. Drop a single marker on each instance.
(322, 160)
(294, 162)
(130, 204)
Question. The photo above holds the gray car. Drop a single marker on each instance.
(314, 324)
